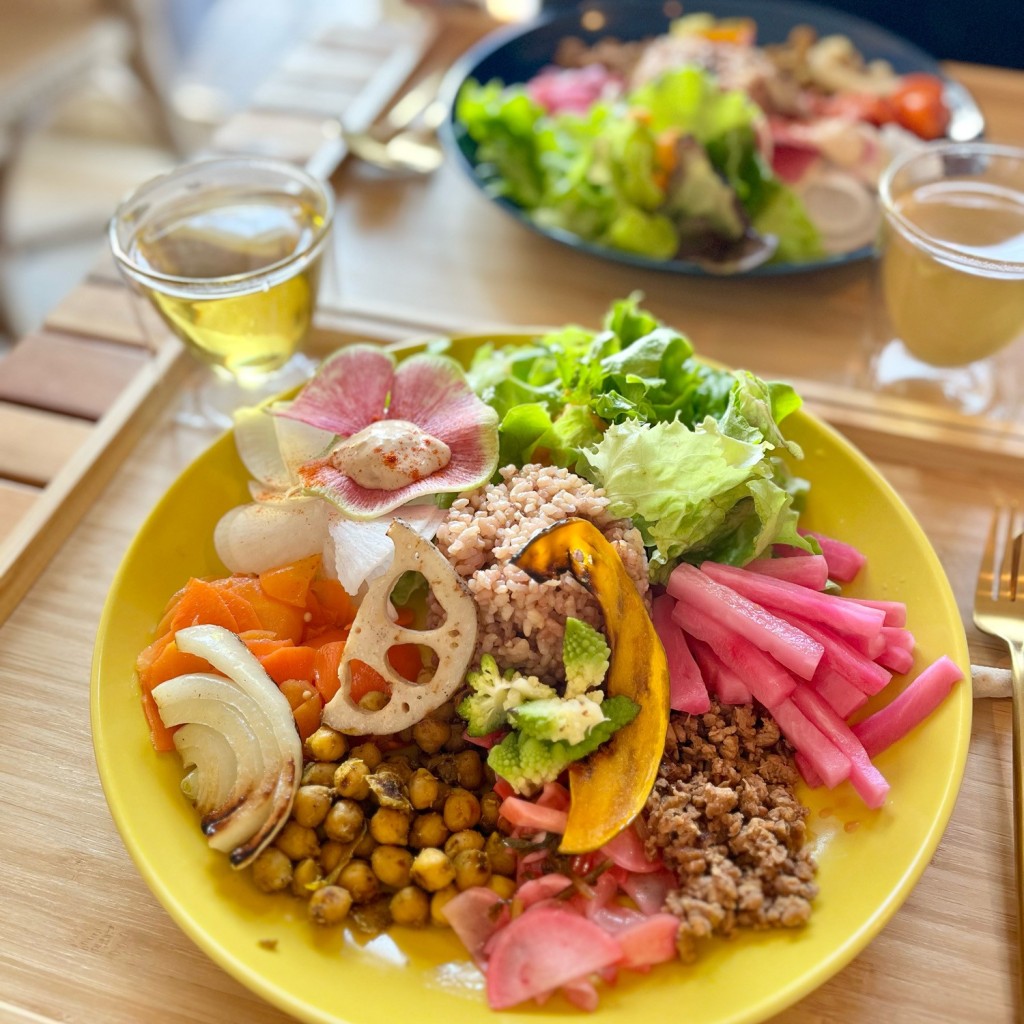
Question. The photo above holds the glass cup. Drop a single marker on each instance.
(228, 251)
(949, 287)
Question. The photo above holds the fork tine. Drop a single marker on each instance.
(1008, 568)
(986, 573)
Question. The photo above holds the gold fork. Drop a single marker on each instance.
(999, 610)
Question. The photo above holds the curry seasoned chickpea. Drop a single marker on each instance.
(400, 765)
(431, 734)
(390, 826)
(374, 700)
(423, 789)
(369, 753)
(410, 906)
(467, 839)
(344, 821)
(461, 810)
(438, 902)
(504, 886)
(432, 870)
(326, 744)
(470, 769)
(272, 870)
(358, 878)
(331, 854)
(490, 810)
(392, 865)
(502, 857)
(471, 868)
(297, 841)
(427, 830)
(365, 847)
(350, 779)
(305, 876)
(311, 805)
(319, 773)
(329, 905)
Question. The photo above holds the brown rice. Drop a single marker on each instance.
(522, 621)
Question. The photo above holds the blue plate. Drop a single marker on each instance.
(518, 53)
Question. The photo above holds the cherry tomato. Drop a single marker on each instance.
(919, 107)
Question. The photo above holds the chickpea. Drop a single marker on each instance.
(423, 789)
(461, 810)
(410, 906)
(502, 857)
(365, 847)
(471, 868)
(456, 742)
(331, 854)
(344, 821)
(326, 744)
(431, 735)
(350, 779)
(392, 864)
(358, 878)
(427, 830)
(311, 805)
(272, 870)
(400, 765)
(505, 887)
(437, 904)
(318, 773)
(490, 809)
(443, 766)
(297, 841)
(467, 839)
(432, 870)
(390, 826)
(307, 872)
(368, 753)
(374, 700)
(329, 905)
(470, 769)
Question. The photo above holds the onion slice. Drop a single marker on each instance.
(248, 714)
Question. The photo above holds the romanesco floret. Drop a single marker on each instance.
(495, 694)
(526, 762)
(585, 655)
(558, 718)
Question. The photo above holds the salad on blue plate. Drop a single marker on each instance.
(701, 146)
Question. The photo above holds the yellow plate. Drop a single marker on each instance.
(869, 861)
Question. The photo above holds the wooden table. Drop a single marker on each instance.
(82, 940)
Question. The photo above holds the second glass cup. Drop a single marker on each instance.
(949, 291)
(229, 253)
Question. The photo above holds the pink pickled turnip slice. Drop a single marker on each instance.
(649, 892)
(842, 613)
(475, 914)
(844, 560)
(348, 391)
(543, 888)
(895, 612)
(865, 778)
(721, 680)
(831, 764)
(841, 695)
(769, 682)
(582, 993)
(627, 851)
(910, 708)
(810, 572)
(543, 949)
(790, 647)
(896, 659)
(687, 691)
(839, 656)
(525, 814)
(806, 769)
(650, 941)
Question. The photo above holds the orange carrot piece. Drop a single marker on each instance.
(298, 691)
(325, 668)
(159, 734)
(329, 604)
(243, 611)
(366, 679)
(284, 620)
(291, 583)
(308, 716)
(290, 663)
(144, 662)
(406, 660)
(263, 644)
(172, 663)
(201, 603)
(327, 635)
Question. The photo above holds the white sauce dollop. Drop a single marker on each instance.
(390, 454)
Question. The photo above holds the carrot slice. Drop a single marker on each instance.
(263, 644)
(406, 660)
(366, 679)
(329, 605)
(287, 662)
(297, 691)
(325, 668)
(244, 613)
(159, 734)
(328, 635)
(172, 663)
(308, 716)
(291, 583)
(201, 603)
(284, 620)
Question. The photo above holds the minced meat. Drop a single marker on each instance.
(724, 816)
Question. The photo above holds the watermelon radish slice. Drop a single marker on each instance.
(402, 431)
